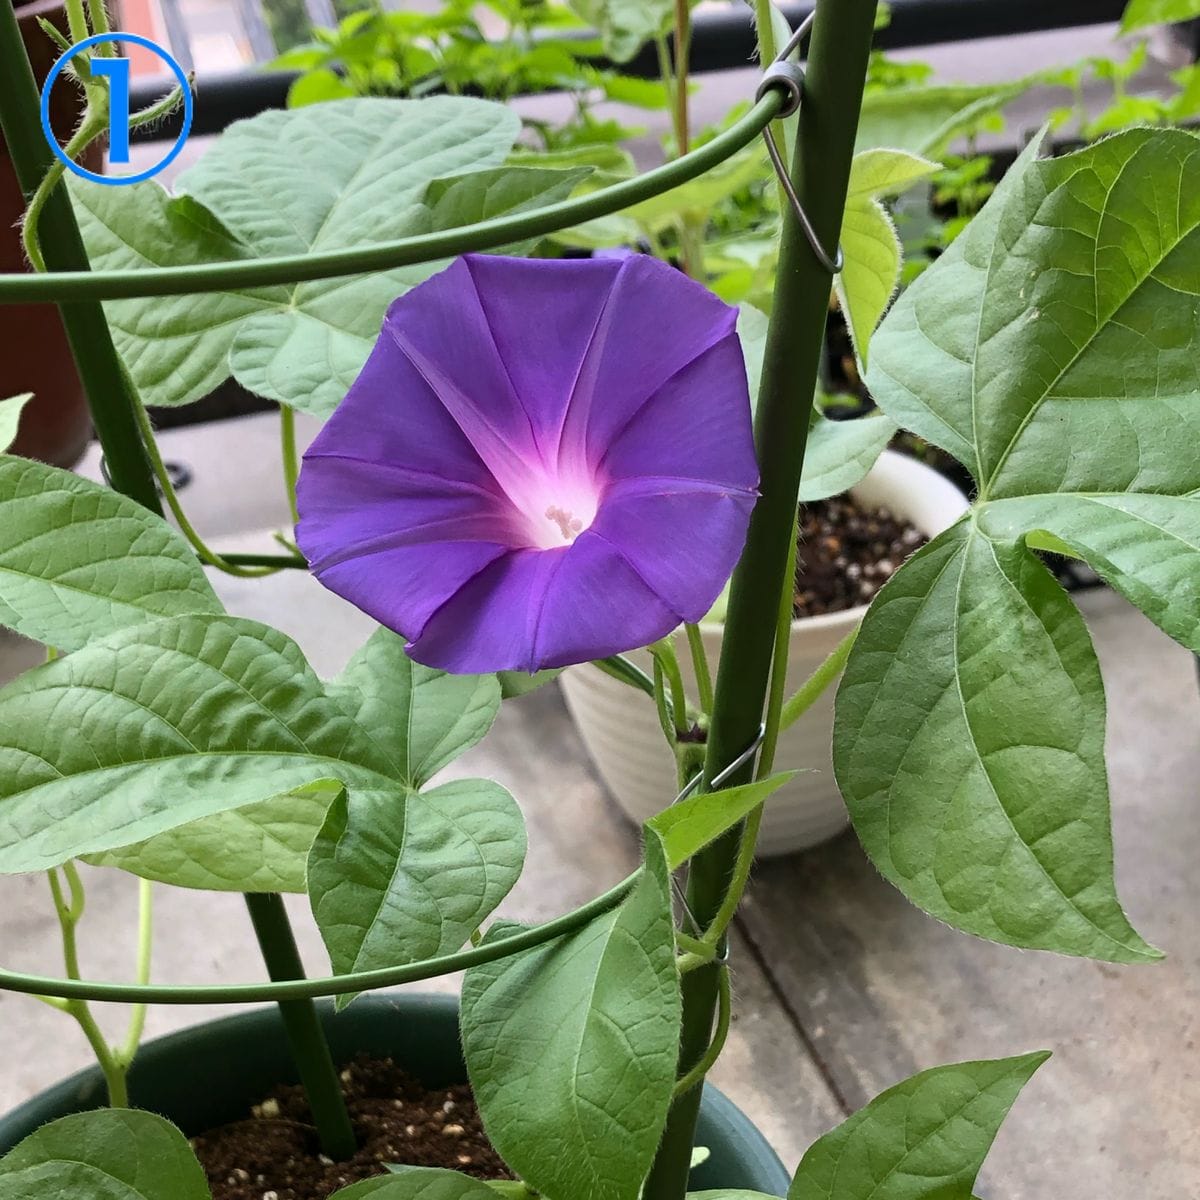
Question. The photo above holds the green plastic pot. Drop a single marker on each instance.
(211, 1074)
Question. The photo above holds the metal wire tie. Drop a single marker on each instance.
(788, 77)
(743, 758)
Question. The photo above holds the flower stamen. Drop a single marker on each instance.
(569, 525)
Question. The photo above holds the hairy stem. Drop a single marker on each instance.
(92, 127)
(813, 687)
(665, 656)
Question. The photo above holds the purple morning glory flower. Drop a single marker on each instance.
(542, 463)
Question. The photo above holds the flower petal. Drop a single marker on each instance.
(645, 520)
(656, 321)
(444, 330)
(543, 315)
(392, 415)
(537, 609)
(696, 425)
(403, 586)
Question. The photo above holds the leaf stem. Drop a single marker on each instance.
(619, 667)
(167, 488)
(70, 913)
(665, 656)
(700, 667)
(818, 681)
(724, 1015)
(92, 127)
(683, 50)
(137, 1017)
(291, 460)
(662, 704)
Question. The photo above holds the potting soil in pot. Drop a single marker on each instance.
(274, 1154)
(846, 552)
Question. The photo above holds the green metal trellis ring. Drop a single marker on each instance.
(68, 286)
(310, 989)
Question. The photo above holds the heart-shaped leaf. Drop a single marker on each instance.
(79, 561)
(1051, 351)
(424, 717)
(969, 745)
(110, 1154)
(396, 883)
(381, 165)
(571, 1047)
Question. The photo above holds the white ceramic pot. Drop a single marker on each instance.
(621, 732)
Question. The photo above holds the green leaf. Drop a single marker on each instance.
(626, 89)
(701, 195)
(625, 25)
(1141, 13)
(940, 409)
(393, 883)
(262, 847)
(687, 827)
(572, 1047)
(839, 453)
(423, 717)
(1051, 351)
(729, 1194)
(375, 159)
(170, 721)
(468, 199)
(110, 1154)
(514, 684)
(79, 561)
(176, 348)
(925, 119)
(514, 1189)
(1146, 546)
(317, 86)
(10, 418)
(872, 249)
(969, 745)
(252, 195)
(419, 717)
(924, 1139)
(418, 1183)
